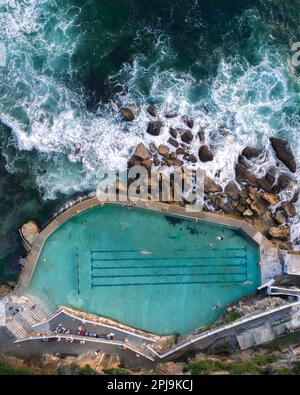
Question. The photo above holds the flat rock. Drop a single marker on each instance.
(232, 190)
(248, 213)
(205, 154)
(271, 198)
(284, 153)
(129, 113)
(29, 231)
(251, 152)
(154, 128)
(281, 233)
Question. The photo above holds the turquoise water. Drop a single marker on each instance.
(145, 269)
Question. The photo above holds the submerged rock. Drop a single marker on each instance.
(205, 154)
(154, 128)
(152, 110)
(188, 121)
(284, 153)
(251, 152)
(170, 114)
(129, 113)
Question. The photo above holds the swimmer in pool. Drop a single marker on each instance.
(210, 245)
(145, 252)
(219, 238)
(124, 225)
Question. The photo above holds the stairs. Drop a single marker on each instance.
(16, 329)
(20, 323)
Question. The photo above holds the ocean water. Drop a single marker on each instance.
(71, 64)
(114, 262)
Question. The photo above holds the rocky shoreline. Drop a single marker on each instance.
(256, 199)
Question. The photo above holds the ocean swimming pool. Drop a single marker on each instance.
(149, 270)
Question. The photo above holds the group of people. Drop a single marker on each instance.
(83, 332)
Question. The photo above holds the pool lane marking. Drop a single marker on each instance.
(160, 267)
(175, 250)
(166, 283)
(167, 275)
(165, 258)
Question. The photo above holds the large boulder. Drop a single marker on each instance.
(244, 175)
(186, 135)
(281, 233)
(130, 112)
(210, 186)
(29, 232)
(232, 190)
(284, 153)
(154, 128)
(251, 152)
(142, 153)
(205, 154)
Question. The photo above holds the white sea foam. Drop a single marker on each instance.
(50, 118)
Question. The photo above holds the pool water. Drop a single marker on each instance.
(152, 271)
